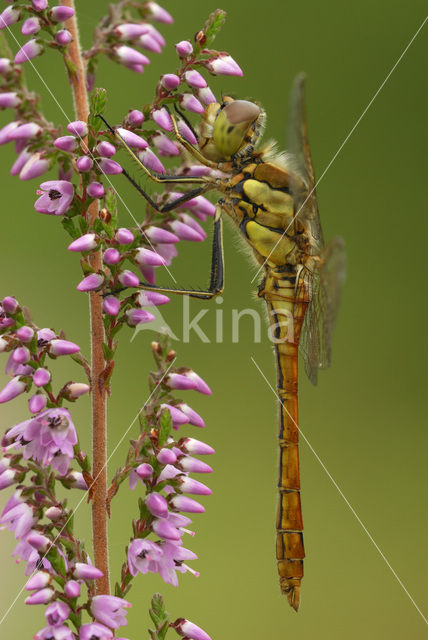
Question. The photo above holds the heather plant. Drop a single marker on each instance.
(41, 455)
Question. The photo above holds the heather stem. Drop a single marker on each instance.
(99, 426)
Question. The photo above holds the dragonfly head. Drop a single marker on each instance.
(231, 129)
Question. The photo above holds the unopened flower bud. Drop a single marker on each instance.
(193, 465)
(111, 305)
(183, 503)
(12, 389)
(163, 119)
(111, 256)
(129, 279)
(54, 513)
(151, 299)
(41, 597)
(41, 377)
(59, 347)
(86, 571)
(72, 589)
(37, 402)
(10, 305)
(63, 37)
(189, 485)
(25, 334)
(106, 149)
(39, 580)
(190, 630)
(30, 50)
(195, 79)
(144, 470)
(170, 81)
(165, 529)
(95, 190)
(39, 541)
(156, 234)
(166, 456)
(75, 390)
(191, 445)
(110, 167)
(87, 242)
(184, 48)
(135, 118)
(157, 505)
(9, 100)
(61, 13)
(9, 16)
(189, 102)
(124, 236)
(147, 257)
(91, 283)
(138, 316)
(132, 139)
(159, 13)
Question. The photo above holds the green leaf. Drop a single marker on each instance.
(108, 353)
(97, 105)
(111, 205)
(212, 26)
(69, 226)
(5, 52)
(165, 427)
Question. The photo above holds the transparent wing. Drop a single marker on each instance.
(306, 207)
(324, 288)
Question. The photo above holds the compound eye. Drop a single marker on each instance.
(232, 124)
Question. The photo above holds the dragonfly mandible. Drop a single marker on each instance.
(271, 199)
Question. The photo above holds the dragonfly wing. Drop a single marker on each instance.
(324, 287)
(306, 206)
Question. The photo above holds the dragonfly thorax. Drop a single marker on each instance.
(230, 129)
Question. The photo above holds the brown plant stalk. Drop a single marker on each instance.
(99, 409)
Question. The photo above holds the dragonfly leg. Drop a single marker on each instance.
(216, 284)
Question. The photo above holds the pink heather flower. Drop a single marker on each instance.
(87, 242)
(110, 167)
(201, 385)
(185, 232)
(63, 37)
(184, 48)
(19, 163)
(111, 305)
(132, 139)
(9, 99)
(166, 456)
(109, 610)
(194, 79)
(194, 418)
(66, 143)
(12, 389)
(30, 26)
(206, 96)
(111, 256)
(6, 131)
(7, 478)
(95, 190)
(10, 304)
(77, 480)
(129, 30)
(56, 613)
(224, 65)
(74, 390)
(135, 118)
(35, 167)
(39, 5)
(20, 518)
(178, 418)
(41, 597)
(200, 206)
(184, 217)
(156, 234)
(151, 299)
(55, 633)
(95, 631)
(49, 438)
(84, 571)
(148, 274)
(173, 560)
(62, 347)
(146, 257)
(162, 118)
(193, 465)
(143, 556)
(61, 13)
(38, 541)
(4, 65)
(37, 403)
(44, 336)
(138, 316)
(188, 505)
(130, 57)
(189, 485)
(191, 445)
(157, 505)
(78, 128)
(25, 131)
(39, 580)
(159, 13)
(149, 43)
(189, 102)
(54, 513)
(72, 589)
(41, 377)
(124, 236)
(91, 283)
(106, 149)
(186, 628)
(20, 355)
(30, 50)
(151, 161)
(9, 16)
(142, 472)
(186, 132)
(56, 199)
(129, 279)
(164, 145)
(178, 381)
(25, 334)
(165, 530)
(170, 81)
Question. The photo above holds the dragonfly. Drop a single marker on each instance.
(271, 199)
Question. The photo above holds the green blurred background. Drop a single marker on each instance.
(366, 417)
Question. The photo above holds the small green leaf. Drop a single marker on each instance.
(165, 427)
(69, 226)
(111, 205)
(212, 26)
(97, 105)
